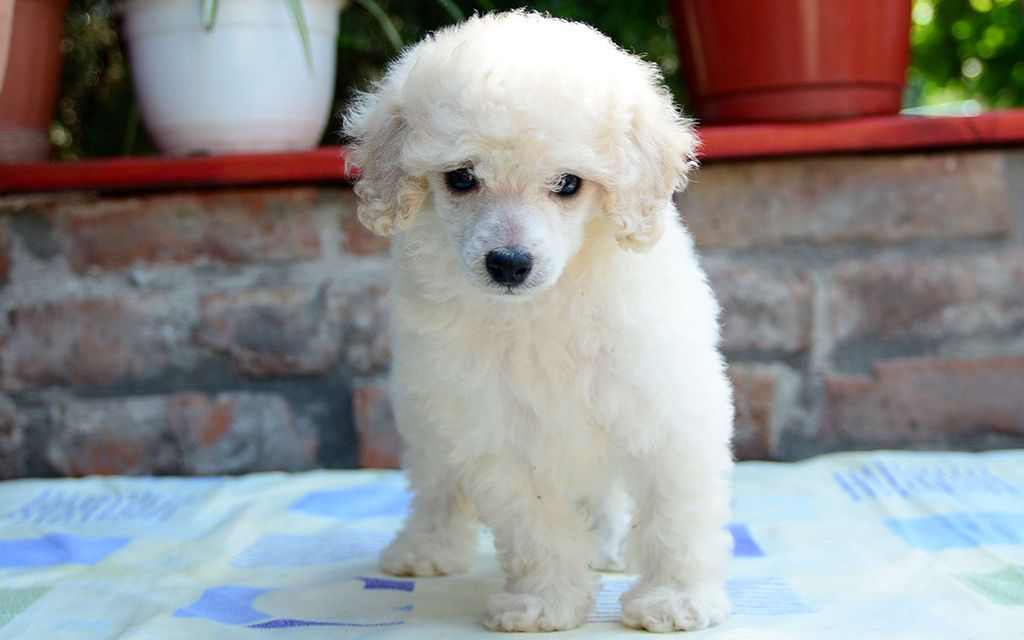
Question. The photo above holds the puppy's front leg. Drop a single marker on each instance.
(543, 546)
(678, 542)
(440, 535)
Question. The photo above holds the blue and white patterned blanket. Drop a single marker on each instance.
(856, 545)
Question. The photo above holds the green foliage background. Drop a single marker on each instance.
(967, 50)
(963, 50)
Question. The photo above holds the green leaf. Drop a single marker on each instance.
(384, 21)
(131, 129)
(453, 10)
(208, 13)
(295, 8)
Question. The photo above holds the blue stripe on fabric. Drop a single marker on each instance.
(57, 548)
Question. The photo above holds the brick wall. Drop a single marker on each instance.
(188, 332)
(870, 301)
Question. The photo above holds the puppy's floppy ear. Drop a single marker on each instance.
(657, 153)
(388, 196)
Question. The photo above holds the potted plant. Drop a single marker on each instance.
(791, 60)
(233, 76)
(30, 33)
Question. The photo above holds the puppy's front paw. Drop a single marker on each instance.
(532, 612)
(668, 608)
(420, 556)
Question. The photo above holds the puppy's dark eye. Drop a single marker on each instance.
(461, 180)
(568, 185)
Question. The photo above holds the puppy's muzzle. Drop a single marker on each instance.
(508, 267)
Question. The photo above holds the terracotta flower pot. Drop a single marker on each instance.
(791, 60)
(31, 79)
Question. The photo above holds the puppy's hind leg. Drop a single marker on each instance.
(441, 533)
(609, 521)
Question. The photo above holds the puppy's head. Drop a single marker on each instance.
(528, 136)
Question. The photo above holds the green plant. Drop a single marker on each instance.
(387, 25)
(373, 31)
(208, 13)
(962, 50)
(967, 50)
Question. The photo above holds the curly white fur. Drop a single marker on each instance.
(537, 409)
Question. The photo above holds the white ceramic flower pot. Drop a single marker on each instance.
(243, 87)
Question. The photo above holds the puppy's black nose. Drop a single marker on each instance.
(509, 266)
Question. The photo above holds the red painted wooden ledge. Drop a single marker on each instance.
(862, 135)
(326, 164)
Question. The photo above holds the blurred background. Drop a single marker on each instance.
(966, 56)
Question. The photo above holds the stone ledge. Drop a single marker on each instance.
(853, 199)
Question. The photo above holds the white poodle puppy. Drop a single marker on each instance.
(555, 338)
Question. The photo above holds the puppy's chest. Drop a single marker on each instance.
(544, 386)
(553, 369)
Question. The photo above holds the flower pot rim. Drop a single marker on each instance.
(121, 4)
(121, 7)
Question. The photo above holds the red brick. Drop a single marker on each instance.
(367, 347)
(12, 441)
(37, 203)
(112, 436)
(874, 198)
(240, 432)
(245, 226)
(927, 298)
(380, 446)
(5, 255)
(88, 342)
(299, 330)
(762, 309)
(357, 239)
(925, 402)
(753, 394)
(180, 433)
(270, 332)
(762, 395)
